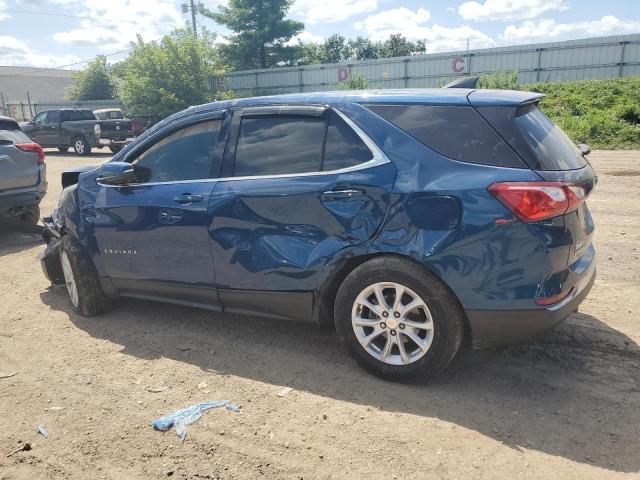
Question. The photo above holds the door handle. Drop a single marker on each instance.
(187, 198)
(341, 194)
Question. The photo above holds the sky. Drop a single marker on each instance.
(64, 33)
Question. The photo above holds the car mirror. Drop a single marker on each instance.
(121, 173)
(584, 149)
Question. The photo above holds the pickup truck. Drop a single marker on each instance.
(116, 130)
(63, 128)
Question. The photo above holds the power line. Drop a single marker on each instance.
(40, 69)
(83, 17)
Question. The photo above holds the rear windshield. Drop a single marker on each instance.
(455, 132)
(11, 133)
(74, 115)
(554, 149)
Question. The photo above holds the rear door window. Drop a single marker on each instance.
(53, 117)
(344, 148)
(76, 115)
(453, 131)
(279, 145)
(552, 146)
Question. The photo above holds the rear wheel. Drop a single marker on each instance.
(397, 319)
(81, 147)
(63, 148)
(82, 281)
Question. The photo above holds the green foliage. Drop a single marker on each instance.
(161, 78)
(93, 83)
(336, 49)
(260, 33)
(603, 113)
(500, 80)
(355, 81)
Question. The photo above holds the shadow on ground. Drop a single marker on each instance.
(14, 242)
(575, 394)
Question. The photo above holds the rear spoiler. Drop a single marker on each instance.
(514, 98)
(463, 82)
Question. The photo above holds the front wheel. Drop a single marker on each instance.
(397, 319)
(81, 147)
(82, 281)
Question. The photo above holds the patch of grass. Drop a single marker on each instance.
(603, 113)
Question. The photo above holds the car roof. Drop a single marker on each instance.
(426, 96)
(8, 119)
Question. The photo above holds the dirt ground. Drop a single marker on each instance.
(567, 406)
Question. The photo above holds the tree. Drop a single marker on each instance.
(360, 48)
(398, 46)
(161, 78)
(93, 83)
(260, 33)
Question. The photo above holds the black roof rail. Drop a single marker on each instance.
(463, 82)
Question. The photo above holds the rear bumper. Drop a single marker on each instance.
(497, 328)
(108, 142)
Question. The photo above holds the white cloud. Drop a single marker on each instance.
(18, 53)
(508, 9)
(315, 11)
(3, 14)
(413, 25)
(550, 29)
(305, 38)
(118, 21)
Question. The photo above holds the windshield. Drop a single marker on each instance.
(554, 149)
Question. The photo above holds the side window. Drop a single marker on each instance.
(53, 117)
(455, 132)
(40, 118)
(187, 154)
(274, 145)
(344, 147)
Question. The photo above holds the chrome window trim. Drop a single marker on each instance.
(379, 158)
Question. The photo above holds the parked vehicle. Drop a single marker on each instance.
(64, 128)
(116, 131)
(407, 218)
(23, 180)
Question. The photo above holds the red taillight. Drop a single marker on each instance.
(535, 201)
(32, 147)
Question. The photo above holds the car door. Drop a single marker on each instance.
(50, 131)
(152, 235)
(300, 185)
(35, 129)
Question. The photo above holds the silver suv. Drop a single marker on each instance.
(22, 174)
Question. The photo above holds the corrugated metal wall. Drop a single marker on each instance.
(602, 57)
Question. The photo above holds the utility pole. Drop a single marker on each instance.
(194, 10)
(193, 17)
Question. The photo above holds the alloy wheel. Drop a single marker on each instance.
(69, 278)
(392, 323)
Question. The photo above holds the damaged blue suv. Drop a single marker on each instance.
(408, 219)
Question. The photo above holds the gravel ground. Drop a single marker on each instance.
(567, 406)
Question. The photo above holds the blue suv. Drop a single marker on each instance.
(409, 219)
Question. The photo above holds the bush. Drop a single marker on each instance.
(499, 80)
(355, 81)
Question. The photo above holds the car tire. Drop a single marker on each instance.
(436, 320)
(81, 147)
(81, 279)
(63, 148)
(115, 149)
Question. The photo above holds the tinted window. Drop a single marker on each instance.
(40, 118)
(101, 115)
(11, 135)
(187, 154)
(279, 145)
(115, 114)
(53, 117)
(456, 132)
(344, 147)
(550, 144)
(76, 115)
